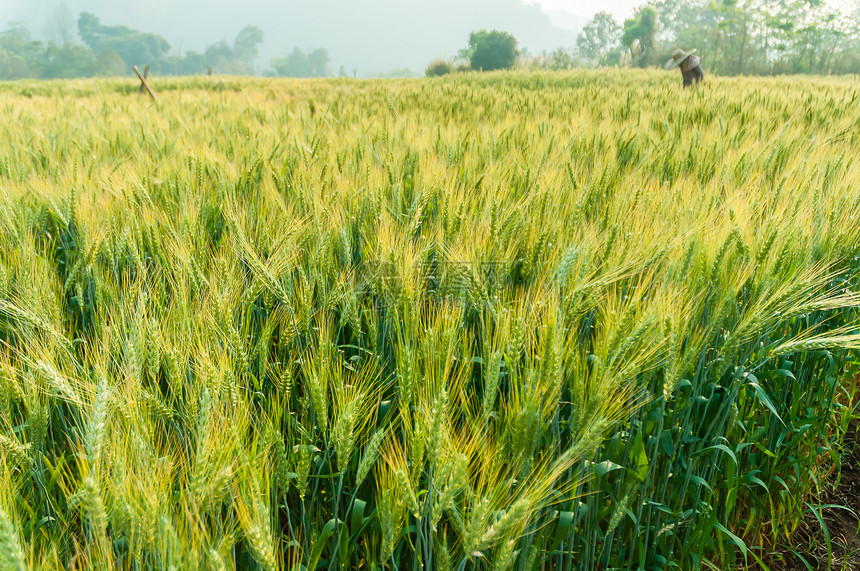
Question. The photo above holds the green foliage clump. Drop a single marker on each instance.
(439, 67)
(640, 32)
(132, 46)
(300, 64)
(598, 41)
(110, 63)
(491, 50)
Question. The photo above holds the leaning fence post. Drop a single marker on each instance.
(145, 75)
(143, 82)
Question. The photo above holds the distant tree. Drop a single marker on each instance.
(598, 37)
(318, 61)
(13, 66)
(341, 72)
(193, 63)
(235, 67)
(438, 67)
(63, 25)
(489, 50)
(68, 61)
(399, 72)
(640, 33)
(21, 55)
(750, 36)
(132, 46)
(246, 44)
(294, 65)
(110, 63)
(218, 55)
(560, 59)
(668, 20)
(733, 26)
(300, 64)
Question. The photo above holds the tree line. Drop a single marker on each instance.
(732, 36)
(754, 37)
(112, 50)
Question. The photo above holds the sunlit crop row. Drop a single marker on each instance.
(506, 321)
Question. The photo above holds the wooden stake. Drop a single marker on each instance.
(143, 82)
(145, 75)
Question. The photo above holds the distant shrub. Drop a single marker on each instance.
(439, 67)
(491, 50)
(398, 73)
(109, 63)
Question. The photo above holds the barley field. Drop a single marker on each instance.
(565, 321)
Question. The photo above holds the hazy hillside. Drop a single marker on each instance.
(375, 36)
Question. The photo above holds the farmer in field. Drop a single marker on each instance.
(691, 69)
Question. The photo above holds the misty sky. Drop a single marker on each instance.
(584, 10)
(370, 36)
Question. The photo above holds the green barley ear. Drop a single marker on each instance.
(261, 545)
(94, 507)
(201, 467)
(94, 440)
(284, 383)
(215, 560)
(442, 555)
(319, 399)
(404, 484)
(352, 311)
(282, 470)
(261, 351)
(170, 543)
(531, 560)
(19, 454)
(254, 516)
(451, 484)
(135, 359)
(510, 522)
(174, 372)
(7, 395)
(477, 527)
(491, 384)
(240, 353)
(368, 459)
(618, 514)
(817, 343)
(161, 410)
(516, 346)
(38, 416)
(390, 511)
(58, 382)
(391, 521)
(11, 555)
(229, 386)
(524, 428)
(437, 429)
(217, 489)
(417, 442)
(406, 376)
(343, 432)
(153, 346)
(303, 468)
(567, 263)
(306, 302)
(505, 555)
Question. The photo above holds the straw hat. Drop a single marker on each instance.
(677, 57)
